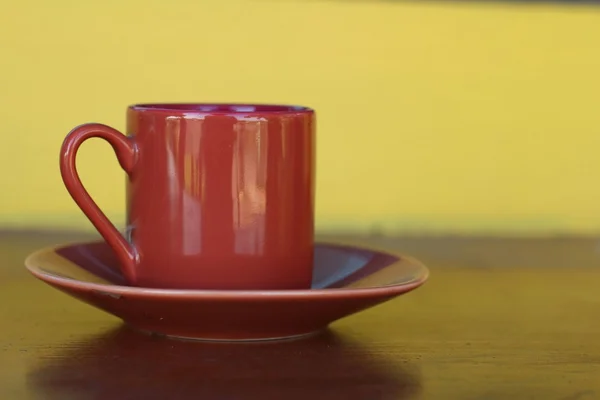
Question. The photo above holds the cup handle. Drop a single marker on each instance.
(126, 153)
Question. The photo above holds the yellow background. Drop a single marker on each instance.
(432, 117)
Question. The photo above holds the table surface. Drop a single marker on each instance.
(498, 319)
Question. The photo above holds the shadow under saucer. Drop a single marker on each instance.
(124, 364)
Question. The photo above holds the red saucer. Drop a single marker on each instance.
(346, 280)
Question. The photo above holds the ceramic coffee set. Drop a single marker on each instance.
(219, 241)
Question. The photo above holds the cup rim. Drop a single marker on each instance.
(234, 109)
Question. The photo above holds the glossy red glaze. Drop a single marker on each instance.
(347, 279)
(218, 196)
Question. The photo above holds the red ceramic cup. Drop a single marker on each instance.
(219, 196)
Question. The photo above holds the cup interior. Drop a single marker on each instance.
(221, 108)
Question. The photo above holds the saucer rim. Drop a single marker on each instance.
(341, 292)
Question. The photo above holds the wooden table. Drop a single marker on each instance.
(499, 319)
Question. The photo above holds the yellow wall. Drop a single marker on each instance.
(432, 116)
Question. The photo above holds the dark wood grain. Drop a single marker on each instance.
(499, 319)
